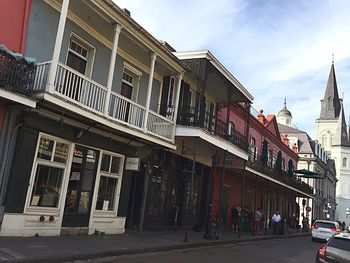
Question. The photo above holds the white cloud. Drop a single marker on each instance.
(274, 48)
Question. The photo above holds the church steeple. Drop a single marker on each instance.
(341, 134)
(330, 105)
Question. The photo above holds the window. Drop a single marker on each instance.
(157, 197)
(329, 103)
(345, 162)
(253, 149)
(324, 141)
(110, 177)
(269, 158)
(231, 128)
(80, 55)
(49, 168)
(130, 82)
(283, 164)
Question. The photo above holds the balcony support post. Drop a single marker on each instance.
(57, 47)
(177, 98)
(149, 89)
(117, 29)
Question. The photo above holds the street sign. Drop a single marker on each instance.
(308, 209)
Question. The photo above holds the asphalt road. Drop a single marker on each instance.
(301, 250)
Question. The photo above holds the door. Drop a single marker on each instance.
(126, 91)
(80, 187)
(225, 203)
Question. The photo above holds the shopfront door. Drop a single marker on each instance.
(80, 187)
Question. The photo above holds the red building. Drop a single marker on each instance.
(266, 181)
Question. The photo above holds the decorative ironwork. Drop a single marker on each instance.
(16, 73)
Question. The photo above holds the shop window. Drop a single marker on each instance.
(49, 167)
(110, 175)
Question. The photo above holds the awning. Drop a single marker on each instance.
(303, 173)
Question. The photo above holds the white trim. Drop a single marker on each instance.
(17, 98)
(185, 131)
(136, 80)
(276, 181)
(91, 52)
(132, 69)
(29, 209)
(106, 121)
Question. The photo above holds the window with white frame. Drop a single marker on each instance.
(110, 176)
(80, 55)
(49, 169)
(130, 82)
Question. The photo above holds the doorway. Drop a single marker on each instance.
(80, 187)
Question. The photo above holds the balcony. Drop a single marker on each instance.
(16, 72)
(189, 117)
(280, 175)
(76, 88)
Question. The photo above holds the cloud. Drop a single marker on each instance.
(274, 48)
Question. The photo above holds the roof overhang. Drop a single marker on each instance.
(303, 173)
(207, 55)
(277, 182)
(185, 131)
(18, 98)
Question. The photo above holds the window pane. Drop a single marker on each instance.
(45, 148)
(61, 152)
(106, 193)
(105, 162)
(47, 186)
(115, 165)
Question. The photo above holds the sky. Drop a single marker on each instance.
(275, 48)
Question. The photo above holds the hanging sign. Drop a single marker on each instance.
(132, 163)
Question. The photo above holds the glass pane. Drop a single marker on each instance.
(106, 193)
(105, 162)
(90, 159)
(84, 202)
(61, 152)
(45, 148)
(115, 165)
(47, 186)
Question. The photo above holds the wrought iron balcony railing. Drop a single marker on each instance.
(16, 72)
(190, 117)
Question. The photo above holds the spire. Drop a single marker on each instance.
(330, 105)
(341, 134)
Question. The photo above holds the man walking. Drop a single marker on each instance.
(276, 220)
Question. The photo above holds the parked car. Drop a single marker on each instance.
(324, 229)
(337, 249)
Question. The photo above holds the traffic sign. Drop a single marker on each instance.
(308, 209)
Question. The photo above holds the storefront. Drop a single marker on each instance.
(63, 185)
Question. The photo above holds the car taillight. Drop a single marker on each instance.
(314, 227)
(333, 229)
(322, 251)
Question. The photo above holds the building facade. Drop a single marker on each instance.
(332, 133)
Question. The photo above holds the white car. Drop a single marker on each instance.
(324, 229)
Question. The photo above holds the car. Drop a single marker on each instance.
(324, 229)
(337, 249)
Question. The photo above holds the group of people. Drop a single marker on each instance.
(255, 220)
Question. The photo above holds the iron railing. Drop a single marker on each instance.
(16, 72)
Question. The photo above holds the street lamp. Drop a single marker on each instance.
(347, 213)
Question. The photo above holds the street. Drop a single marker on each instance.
(300, 249)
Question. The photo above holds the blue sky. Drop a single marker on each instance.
(274, 48)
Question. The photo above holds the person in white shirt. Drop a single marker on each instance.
(276, 220)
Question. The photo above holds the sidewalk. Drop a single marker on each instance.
(69, 248)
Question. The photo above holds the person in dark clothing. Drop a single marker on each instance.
(235, 218)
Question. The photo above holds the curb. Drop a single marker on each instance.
(115, 253)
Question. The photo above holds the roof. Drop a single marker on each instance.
(207, 55)
(304, 141)
(341, 134)
(284, 111)
(330, 105)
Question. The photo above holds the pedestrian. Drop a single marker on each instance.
(305, 223)
(276, 220)
(262, 221)
(257, 218)
(235, 219)
(292, 222)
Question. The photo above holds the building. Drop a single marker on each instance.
(321, 175)
(332, 133)
(97, 122)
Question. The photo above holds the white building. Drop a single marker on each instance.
(331, 132)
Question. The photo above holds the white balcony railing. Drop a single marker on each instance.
(83, 91)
